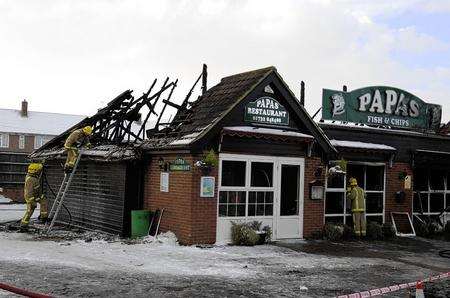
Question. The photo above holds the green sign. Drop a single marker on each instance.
(179, 164)
(380, 106)
(266, 110)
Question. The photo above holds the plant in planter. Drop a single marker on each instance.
(250, 233)
(208, 161)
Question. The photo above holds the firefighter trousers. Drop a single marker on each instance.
(72, 154)
(359, 223)
(31, 205)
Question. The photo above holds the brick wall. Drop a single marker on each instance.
(394, 184)
(190, 217)
(14, 144)
(14, 193)
(204, 210)
(313, 218)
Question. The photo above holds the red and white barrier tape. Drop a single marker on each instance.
(382, 291)
(22, 292)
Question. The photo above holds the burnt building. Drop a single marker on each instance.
(274, 164)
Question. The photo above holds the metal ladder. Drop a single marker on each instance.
(62, 194)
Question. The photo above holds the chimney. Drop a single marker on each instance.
(344, 88)
(24, 109)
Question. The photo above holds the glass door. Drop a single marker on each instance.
(290, 199)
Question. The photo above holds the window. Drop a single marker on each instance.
(39, 141)
(4, 140)
(21, 142)
(370, 177)
(246, 188)
(233, 173)
(432, 191)
(232, 203)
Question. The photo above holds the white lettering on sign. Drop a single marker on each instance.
(387, 121)
(394, 104)
(266, 110)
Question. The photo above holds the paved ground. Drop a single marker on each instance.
(300, 269)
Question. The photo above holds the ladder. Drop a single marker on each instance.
(62, 194)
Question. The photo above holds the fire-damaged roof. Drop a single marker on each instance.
(118, 129)
(191, 125)
(115, 134)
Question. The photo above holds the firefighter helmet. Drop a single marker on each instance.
(34, 168)
(87, 130)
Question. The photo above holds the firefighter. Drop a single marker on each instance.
(357, 197)
(32, 194)
(78, 138)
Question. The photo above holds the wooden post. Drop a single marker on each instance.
(204, 79)
(302, 93)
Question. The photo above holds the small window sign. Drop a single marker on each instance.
(164, 182)
(207, 185)
(317, 192)
(407, 182)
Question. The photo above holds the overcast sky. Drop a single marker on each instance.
(74, 56)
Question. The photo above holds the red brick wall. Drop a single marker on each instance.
(190, 217)
(204, 210)
(394, 184)
(313, 214)
(14, 193)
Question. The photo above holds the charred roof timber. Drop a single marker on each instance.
(119, 125)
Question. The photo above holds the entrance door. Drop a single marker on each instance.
(290, 199)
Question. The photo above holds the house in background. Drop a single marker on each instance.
(21, 132)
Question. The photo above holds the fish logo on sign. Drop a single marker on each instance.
(338, 102)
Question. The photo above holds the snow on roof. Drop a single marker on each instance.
(267, 131)
(42, 123)
(361, 145)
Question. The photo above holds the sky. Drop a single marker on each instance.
(74, 56)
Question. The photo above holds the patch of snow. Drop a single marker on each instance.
(9, 212)
(166, 257)
(267, 131)
(4, 199)
(182, 141)
(168, 238)
(361, 145)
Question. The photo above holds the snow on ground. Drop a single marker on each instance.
(162, 256)
(9, 212)
(4, 200)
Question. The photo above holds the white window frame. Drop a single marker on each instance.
(21, 141)
(344, 191)
(445, 192)
(248, 159)
(4, 140)
(42, 140)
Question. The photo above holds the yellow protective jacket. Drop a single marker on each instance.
(76, 139)
(32, 189)
(358, 197)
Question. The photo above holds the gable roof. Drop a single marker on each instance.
(40, 123)
(191, 125)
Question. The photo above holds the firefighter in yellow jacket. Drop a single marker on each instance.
(32, 193)
(357, 197)
(75, 140)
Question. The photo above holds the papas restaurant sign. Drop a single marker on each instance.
(266, 110)
(381, 106)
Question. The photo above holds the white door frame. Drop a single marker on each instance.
(224, 223)
(299, 217)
